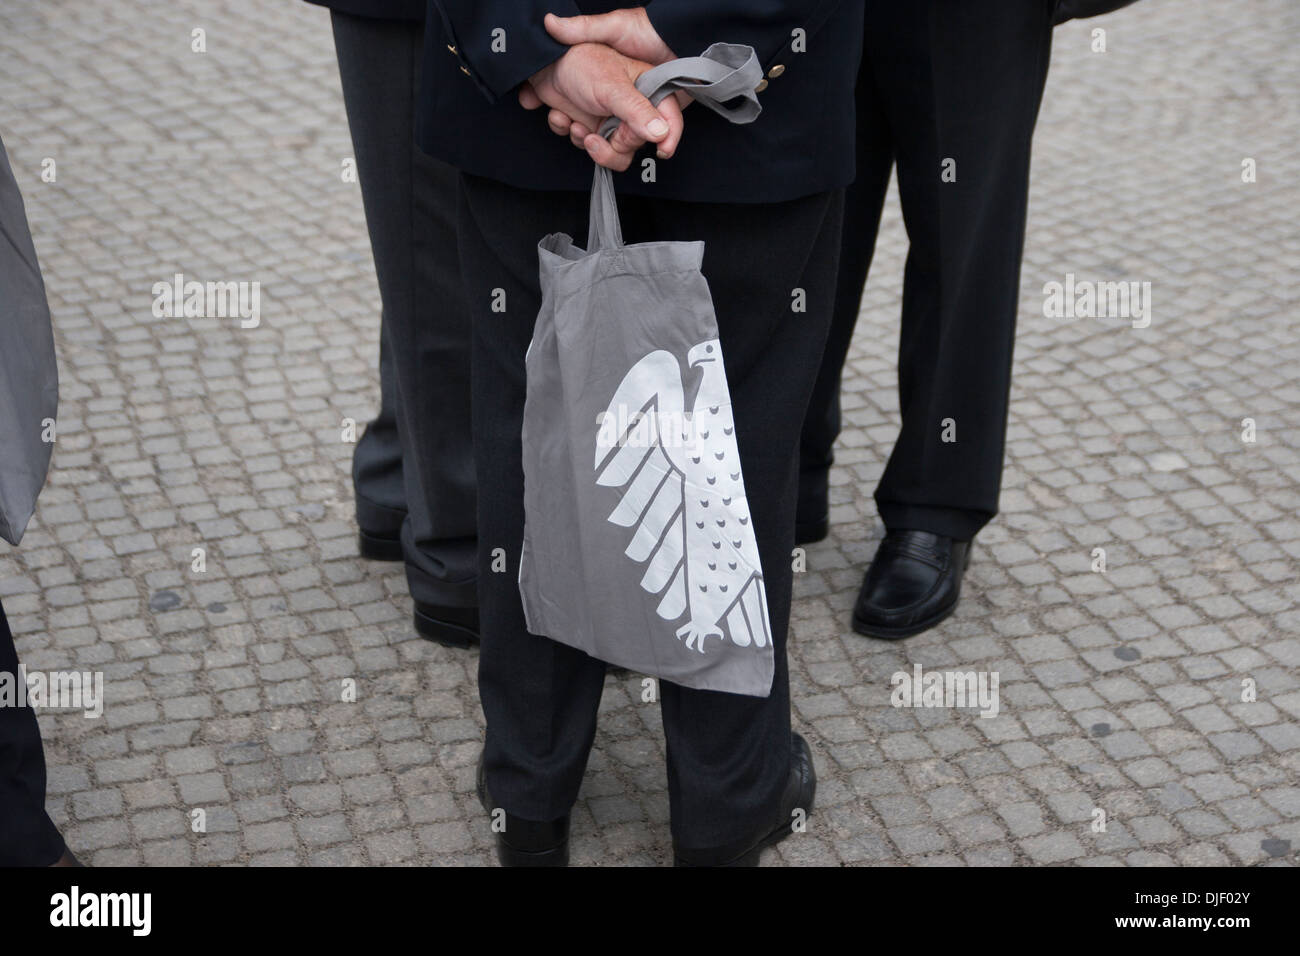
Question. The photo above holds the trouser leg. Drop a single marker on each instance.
(539, 697)
(863, 202)
(377, 478)
(729, 755)
(410, 203)
(27, 835)
(982, 71)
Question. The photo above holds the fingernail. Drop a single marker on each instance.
(657, 127)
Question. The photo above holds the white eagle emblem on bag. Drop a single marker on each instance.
(682, 489)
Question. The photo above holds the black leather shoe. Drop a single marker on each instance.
(379, 547)
(448, 626)
(800, 791)
(525, 842)
(913, 583)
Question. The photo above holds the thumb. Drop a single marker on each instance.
(638, 114)
(580, 29)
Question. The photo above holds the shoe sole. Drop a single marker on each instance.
(444, 632)
(886, 633)
(509, 856)
(378, 548)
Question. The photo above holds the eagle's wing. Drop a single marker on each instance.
(636, 459)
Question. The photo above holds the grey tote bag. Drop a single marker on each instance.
(29, 376)
(638, 547)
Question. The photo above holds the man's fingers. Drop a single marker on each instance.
(559, 122)
(528, 97)
(602, 28)
(601, 80)
(626, 140)
(578, 135)
(599, 149)
(627, 30)
(671, 110)
(563, 113)
(638, 114)
(623, 140)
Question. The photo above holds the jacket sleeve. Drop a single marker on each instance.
(1072, 9)
(769, 26)
(500, 43)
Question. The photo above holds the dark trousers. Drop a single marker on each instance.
(413, 468)
(941, 80)
(27, 835)
(728, 755)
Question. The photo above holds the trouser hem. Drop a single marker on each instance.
(959, 523)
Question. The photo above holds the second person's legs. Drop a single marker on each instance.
(410, 203)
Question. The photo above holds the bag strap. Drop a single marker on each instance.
(722, 78)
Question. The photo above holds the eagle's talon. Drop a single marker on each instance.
(695, 636)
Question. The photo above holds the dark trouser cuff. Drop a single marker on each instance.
(379, 519)
(958, 523)
(427, 589)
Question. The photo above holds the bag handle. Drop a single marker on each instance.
(722, 78)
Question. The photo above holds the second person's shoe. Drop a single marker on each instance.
(448, 626)
(379, 529)
(378, 546)
(913, 583)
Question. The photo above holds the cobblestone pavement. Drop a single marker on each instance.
(1121, 692)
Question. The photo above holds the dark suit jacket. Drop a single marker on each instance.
(1070, 9)
(378, 9)
(801, 144)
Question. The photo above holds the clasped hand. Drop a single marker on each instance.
(596, 79)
